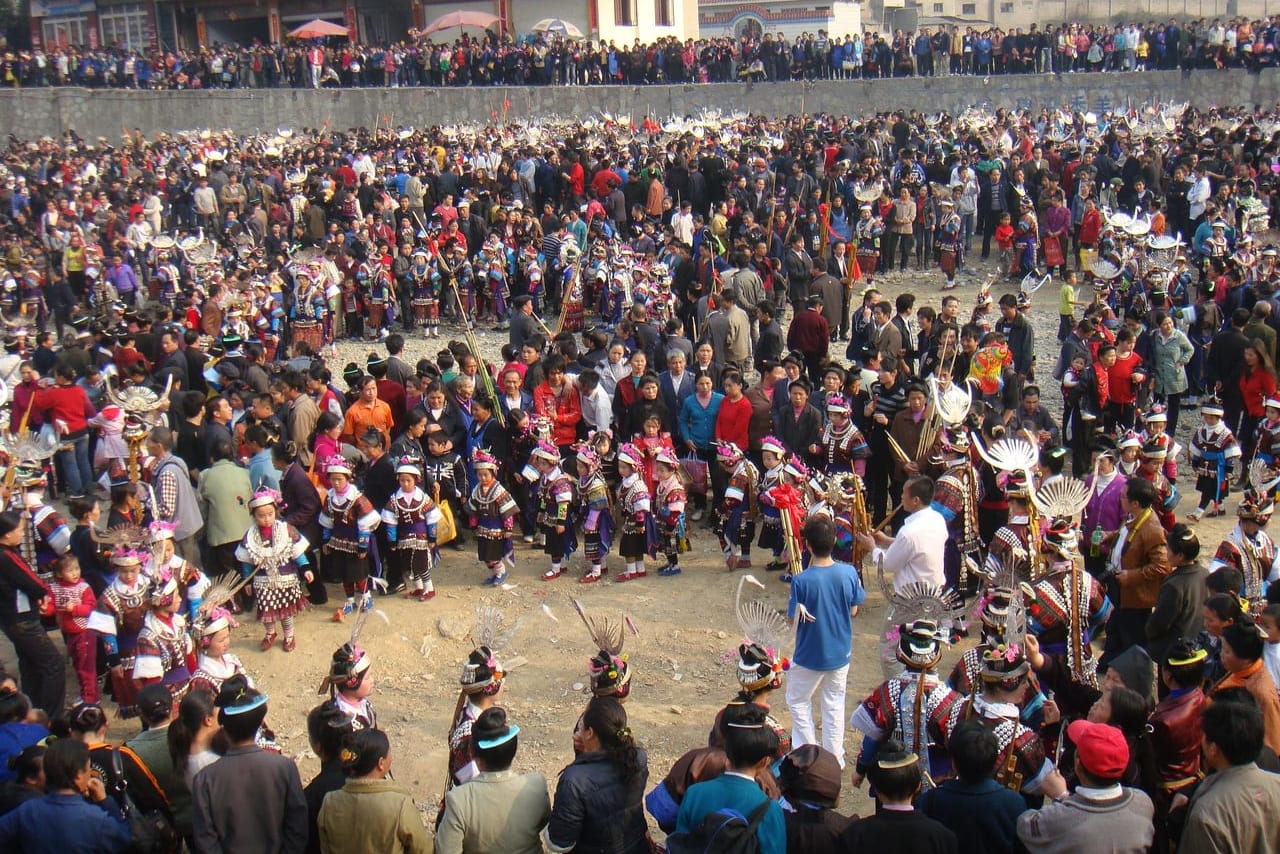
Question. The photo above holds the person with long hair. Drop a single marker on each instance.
(88, 723)
(598, 807)
(1128, 711)
(325, 444)
(192, 733)
(1257, 386)
(328, 725)
(301, 505)
(22, 594)
(370, 812)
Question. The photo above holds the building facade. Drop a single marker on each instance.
(791, 18)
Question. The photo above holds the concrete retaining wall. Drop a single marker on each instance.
(34, 112)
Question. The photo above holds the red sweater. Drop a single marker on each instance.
(1255, 387)
(66, 403)
(733, 421)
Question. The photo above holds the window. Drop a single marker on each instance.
(66, 31)
(968, 8)
(662, 13)
(124, 26)
(1006, 8)
(937, 8)
(624, 13)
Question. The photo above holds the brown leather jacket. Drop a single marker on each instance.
(1145, 561)
(1175, 735)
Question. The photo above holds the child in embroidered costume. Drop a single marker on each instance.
(555, 502)
(633, 507)
(117, 620)
(276, 553)
(735, 523)
(349, 685)
(165, 652)
(669, 501)
(192, 583)
(494, 511)
(216, 662)
(1214, 450)
(773, 455)
(410, 519)
(597, 515)
(347, 520)
(650, 441)
(72, 601)
(481, 681)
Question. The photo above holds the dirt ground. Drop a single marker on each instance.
(682, 659)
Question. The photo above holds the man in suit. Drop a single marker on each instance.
(705, 364)
(809, 334)
(797, 269)
(832, 293)
(839, 267)
(523, 324)
(675, 383)
(1139, 560)
(993, 200)
(886, 338)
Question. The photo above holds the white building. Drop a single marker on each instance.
(791, 18)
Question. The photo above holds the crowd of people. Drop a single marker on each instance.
(670, 296)
(539, 59)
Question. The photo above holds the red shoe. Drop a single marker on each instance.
(414, 594)
(591, 578)
(267, 642)
(290, 644)
(427, 595)
(552, 574)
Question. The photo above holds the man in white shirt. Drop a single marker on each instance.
(915, 555)
(1198, 195)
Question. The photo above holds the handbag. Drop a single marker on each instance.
(149, 832)
(698, 473)
(446, 528)
(315, 478)
(1053, 255)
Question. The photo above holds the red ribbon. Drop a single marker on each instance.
(787, 499)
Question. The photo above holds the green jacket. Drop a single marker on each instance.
(373, 816)
(1171, 357)
(224, 502)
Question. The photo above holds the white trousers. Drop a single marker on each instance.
(802, 684)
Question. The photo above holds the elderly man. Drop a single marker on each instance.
(301, 414)
(176, 500)
(1034, 419)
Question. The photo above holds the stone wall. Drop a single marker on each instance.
(92, 113)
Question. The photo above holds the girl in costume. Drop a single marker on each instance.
(192, 583)
(494, 511)
(118, 620)
(735, 522)
(634, 508)
(165, 652)
(773, 454)
(276, 554)
(410, 518)
(1214, 451)
(481, 682)
(349, 684)
(216, 662)
(555, 503)
(669, 500)
(347, 520)
(650, 442)
(610, 675)
(597, 514)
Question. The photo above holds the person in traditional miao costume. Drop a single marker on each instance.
(481, 682)
(669, 501)
(844, 448)
(165, 652)
(993, 613)
(610, 674)
(495, 513)
(117, 619)
(866, 233)
(347, 520)
(1156, 421)
(1214, 452)
(773, 455)
(276, 553)
(46, 536)
(634, 511)
(1130, 449)
(956, 496)
(426, 294)
(836, 499)
(1010, 554)
(1064, 609)
(1021, 764)
(735, 522)
(216, 663)
(410, 519)
(1266, 440)
(915, 707)
(192, 582)
(950, 242)
(598, 524)
(1249, 548)
(1151, 463)
(349, 684)
(555, 507)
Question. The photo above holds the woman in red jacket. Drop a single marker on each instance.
(557, 400)
(67, 408)
(733, 421)
(1257, 383)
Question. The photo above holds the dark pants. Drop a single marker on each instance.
(879, 469)
(989, 231)
(41, 667)
(1127, 627)
(906, 246)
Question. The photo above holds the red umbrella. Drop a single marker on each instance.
(480, 20)
(318, 29)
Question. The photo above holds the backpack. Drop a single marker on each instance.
(724, 831)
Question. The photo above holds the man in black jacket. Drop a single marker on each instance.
(770, 343)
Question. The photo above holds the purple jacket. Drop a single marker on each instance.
(1105, 508)
(123, 279)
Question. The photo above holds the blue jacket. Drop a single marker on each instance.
(698, 424)
(983, 815)
(65, 824)
(729, 791)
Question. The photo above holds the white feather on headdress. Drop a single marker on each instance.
(760, 623)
